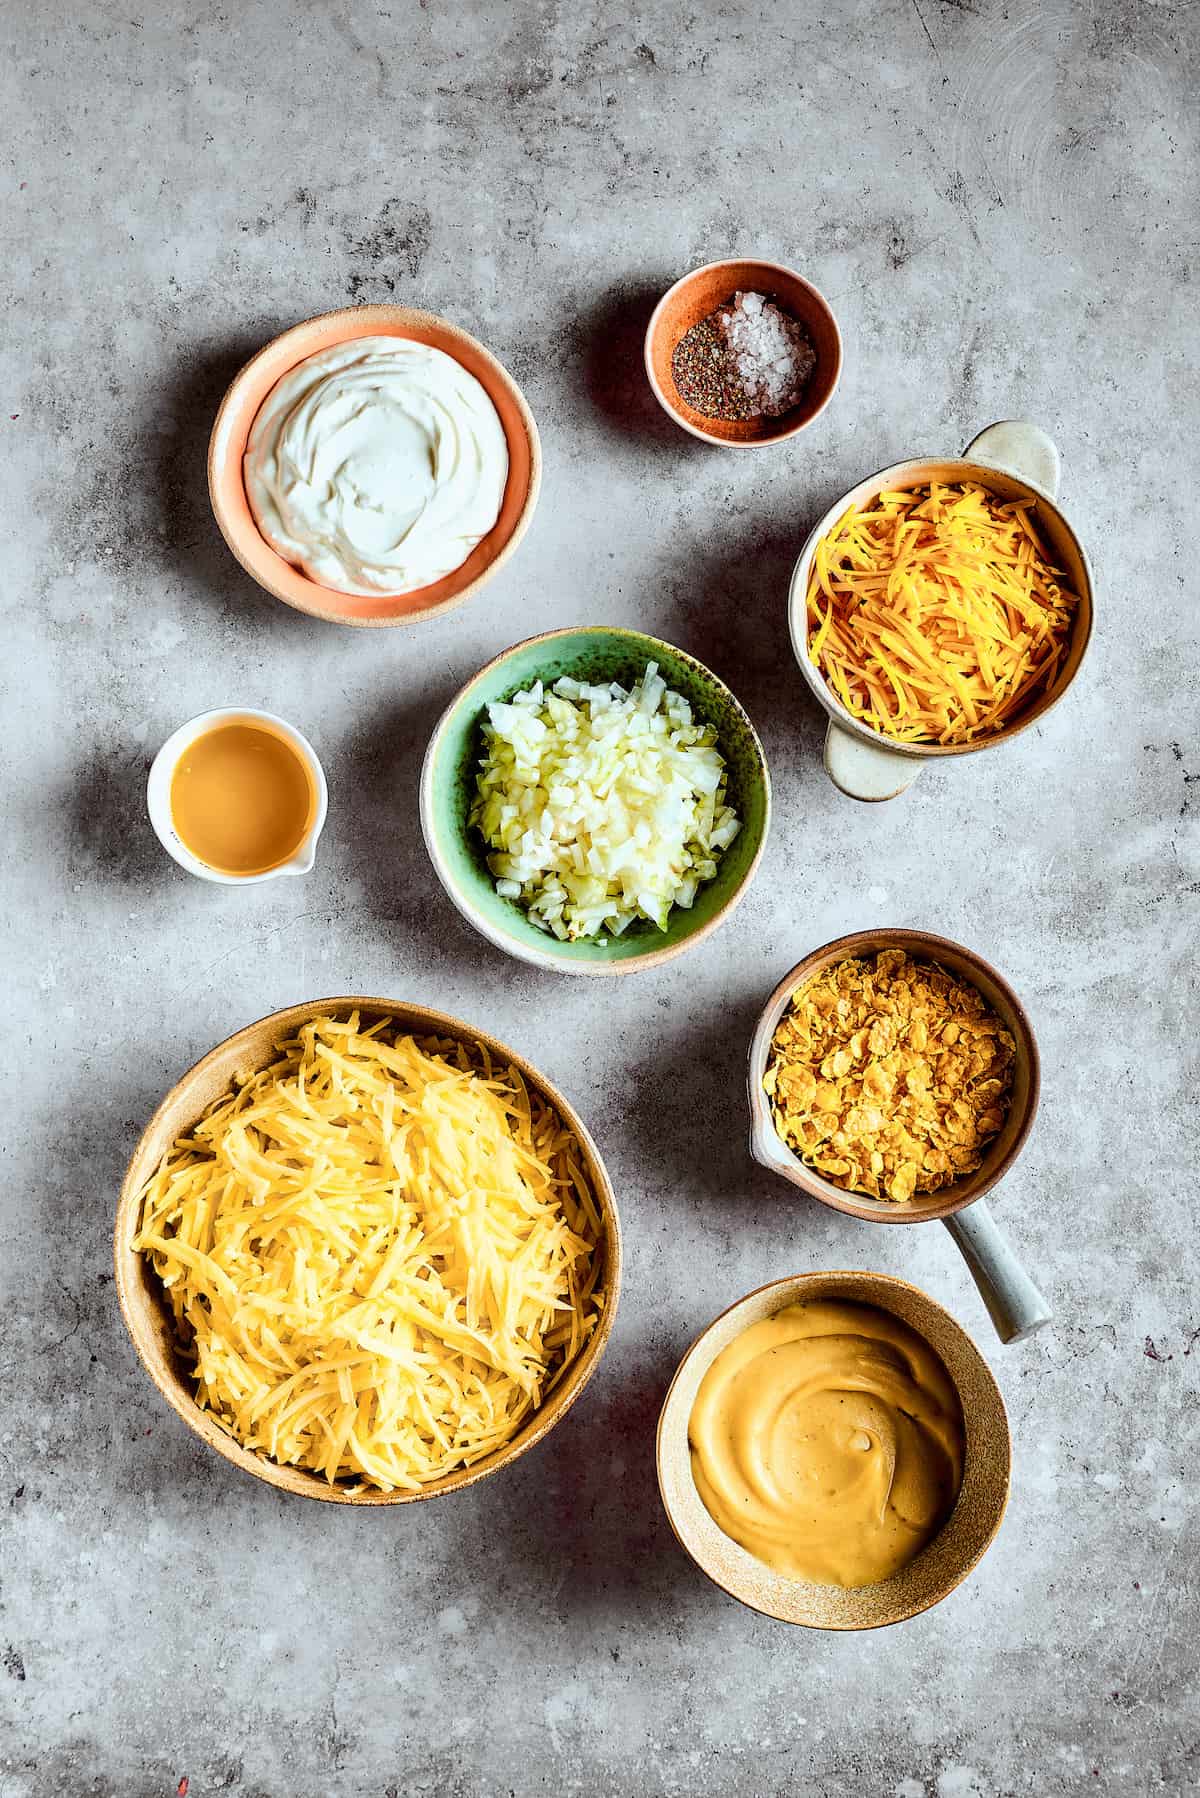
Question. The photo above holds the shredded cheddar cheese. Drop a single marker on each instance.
(935, 615)
(380, 1255)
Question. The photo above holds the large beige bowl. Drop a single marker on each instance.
(152, 1328)
(951, 1555)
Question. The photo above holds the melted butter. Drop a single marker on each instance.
(828, 1441)
(242, 799)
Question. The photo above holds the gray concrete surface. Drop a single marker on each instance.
(1001, 203)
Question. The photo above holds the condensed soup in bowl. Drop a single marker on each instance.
(374, 465)
(833, 1451)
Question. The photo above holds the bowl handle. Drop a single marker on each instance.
(1015, 1305)
(765, 1146)
(1017, 447)
(862, 771)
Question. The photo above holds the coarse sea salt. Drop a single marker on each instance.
(770, 349)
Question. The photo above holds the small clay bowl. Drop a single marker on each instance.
(592, 653)
(241, 406)
(963, 1539)
(148, 1318)
(1014, 1303)
(693, 298)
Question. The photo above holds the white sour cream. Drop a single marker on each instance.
(376, 467)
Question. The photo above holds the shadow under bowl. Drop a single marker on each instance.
(699, 293)
(148, 1318)
(244, 400)
(595, 654)
(954, 1551)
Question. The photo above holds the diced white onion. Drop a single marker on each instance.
(601, 806)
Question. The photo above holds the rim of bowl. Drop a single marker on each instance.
(531, 952)
(909, 474)
(923, 945)
(220, 447)
(789, 1287)
(158, 797)
(129, 1266)
(710, 437)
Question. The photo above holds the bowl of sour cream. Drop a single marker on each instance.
(373, 466)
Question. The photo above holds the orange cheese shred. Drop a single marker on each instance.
(936, 615)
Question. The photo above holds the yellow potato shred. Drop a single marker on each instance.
(380, 1253)
(936, 615)
(889, 1076)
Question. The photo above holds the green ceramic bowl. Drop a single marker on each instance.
(589, 653)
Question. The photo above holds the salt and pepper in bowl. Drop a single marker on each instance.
(743, 353)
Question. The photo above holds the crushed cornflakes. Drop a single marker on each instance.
(889, 1076)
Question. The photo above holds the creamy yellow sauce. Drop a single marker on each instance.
(828, 1441)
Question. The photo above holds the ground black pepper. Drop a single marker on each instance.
(706, 374)
(749, 358)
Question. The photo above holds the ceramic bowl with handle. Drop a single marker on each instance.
(243, 402)
(151, 1325)
(1014, 460)
(963, 1539)
(1014, 1303)
(594, 654)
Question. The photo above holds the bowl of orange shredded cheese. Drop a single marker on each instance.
(940, 607)
(366, 1252)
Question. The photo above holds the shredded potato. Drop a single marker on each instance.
(380, 1255)
(935, 615)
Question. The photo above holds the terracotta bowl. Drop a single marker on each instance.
(1016, 1306)
(242, 403)
(700, 293)
(149, 1321)
(951, 1555)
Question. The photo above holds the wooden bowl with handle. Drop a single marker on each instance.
(148, 1318)
(1014, 1303)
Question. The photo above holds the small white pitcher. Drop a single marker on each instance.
(1014, 459)
(158, 794)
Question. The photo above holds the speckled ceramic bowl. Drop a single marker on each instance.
(960, 1544)
(148, 1319)
(1015, 460)
(1014, 1302)
(591, 653)
(241, 406)
(697, 294)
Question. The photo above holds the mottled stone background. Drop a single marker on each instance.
(1001, 203)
